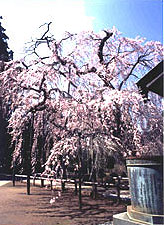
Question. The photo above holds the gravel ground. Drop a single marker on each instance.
(17, 208)
(107, 223)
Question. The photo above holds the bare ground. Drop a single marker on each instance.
(17, 208)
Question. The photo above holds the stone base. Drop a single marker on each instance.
(123, 219)
(132, 217)
(147, 218)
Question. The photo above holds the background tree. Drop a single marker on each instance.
(5, 151)
(5, 53)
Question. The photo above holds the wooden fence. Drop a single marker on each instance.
(115, 184)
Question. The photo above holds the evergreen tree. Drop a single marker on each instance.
(5, 53)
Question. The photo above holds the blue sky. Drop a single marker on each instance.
(22, 18)
(132, 17)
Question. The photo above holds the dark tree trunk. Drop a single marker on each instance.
(64, 176)
(28, 142)
(94, 186)
(62, 185)
(80, 195)
(80, 170)
(28, 169)
(94, 191)
(13, 175)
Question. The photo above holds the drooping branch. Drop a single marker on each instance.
(41, 105)
(44, 39)
(64, 94)
(66, 38)
(141, 60)
(92, 70)
(48, 28)
(130, 73)
(106, 83)
(62, 61)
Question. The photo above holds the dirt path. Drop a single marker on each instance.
(3, 182)
(17, 208)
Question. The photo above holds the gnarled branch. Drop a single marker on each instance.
(101, 46)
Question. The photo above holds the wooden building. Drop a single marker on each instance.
(152, 81)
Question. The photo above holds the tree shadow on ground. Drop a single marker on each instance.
(67, 206)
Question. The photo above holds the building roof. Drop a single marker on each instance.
(153, 81)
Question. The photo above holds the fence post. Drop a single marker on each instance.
(13, 175)
(118, 189)
(28, 184)
(34, 180)
(42, 182)
(51, 184)
(75, 187)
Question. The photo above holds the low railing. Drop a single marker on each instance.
(117, 184)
